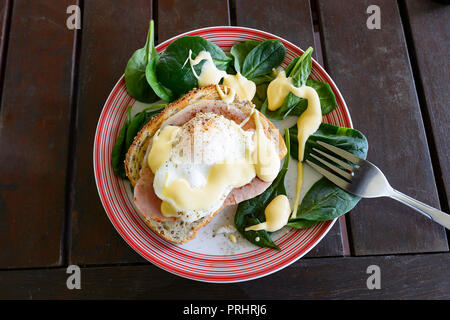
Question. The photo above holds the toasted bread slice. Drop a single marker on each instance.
(179, 112)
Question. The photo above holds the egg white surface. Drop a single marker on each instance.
(205, 140)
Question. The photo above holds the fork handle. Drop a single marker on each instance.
(434, 214)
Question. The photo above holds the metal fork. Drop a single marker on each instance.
(364, 179)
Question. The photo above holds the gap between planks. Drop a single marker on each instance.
(6, 26)
(318, 40)
(66, 234)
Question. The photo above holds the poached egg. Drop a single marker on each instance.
(199, 165)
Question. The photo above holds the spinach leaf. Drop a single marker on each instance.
(295, 106)
(260, 61)
(267, 78)
(139, 121)
(324, 200)
(348, 139)
(260, 95)
(300, 68)
(174, 74)
(292, 105)
(136, 83)
(119, 149)
(240, 50)
(251, 212)
(327, 99)
(129, 130)
(230, 68)
(262, 83)
(150, 74)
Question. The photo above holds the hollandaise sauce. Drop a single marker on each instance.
(308, 122)
(221, 176)
(227, 97)
(210, 74)
(161, 147)
(277, 215)
(244, 88)
(265, 156)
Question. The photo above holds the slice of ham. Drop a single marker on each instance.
(250, 190)
(149, 204)
(218, 107)
(145, 198)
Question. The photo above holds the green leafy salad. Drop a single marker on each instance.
(159, 79)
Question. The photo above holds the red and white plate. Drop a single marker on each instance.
(211, 256)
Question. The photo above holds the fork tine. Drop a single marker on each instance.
(335, 160)
(333, 167)
(344, 154)
(333, 178)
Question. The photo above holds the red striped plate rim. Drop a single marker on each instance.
(173, 258)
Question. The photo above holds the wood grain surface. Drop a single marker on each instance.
(34, 122)
(178, 16)
(108, 41)
(290, 19)
(371, 69)
(429, 28)
(401, 277)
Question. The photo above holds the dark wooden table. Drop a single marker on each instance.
(54, 82)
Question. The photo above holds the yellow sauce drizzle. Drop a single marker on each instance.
(307, 123)
(209, 74)
(277, 215)
(245, 89)
(278, 211)
(227, 98)
(265, 156)
(235, 173)
(162, 145)
(168, 210)
(277, 90)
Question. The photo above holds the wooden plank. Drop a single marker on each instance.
(401, 277)
(371, 69)
(34, 122)
(292, 21)
(429, 27)
(178, 16)
(110, 34)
